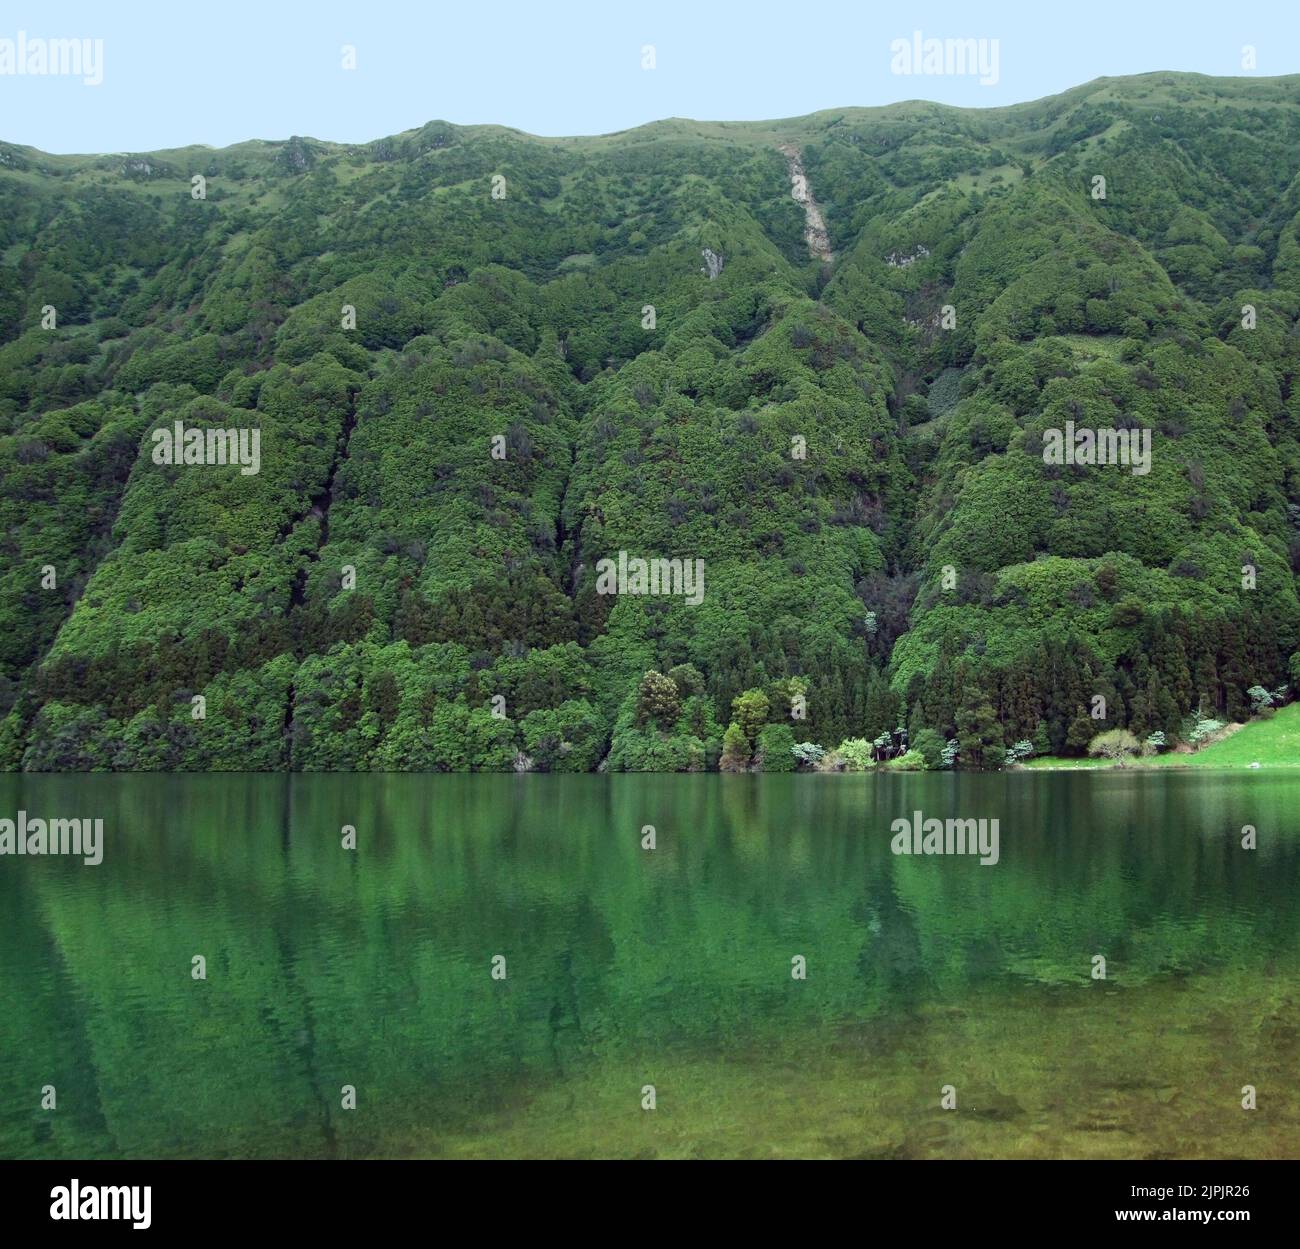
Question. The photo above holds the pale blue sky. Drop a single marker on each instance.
(179, 72)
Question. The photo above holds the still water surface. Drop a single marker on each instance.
(671, 967)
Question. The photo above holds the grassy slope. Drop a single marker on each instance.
(1272, 743)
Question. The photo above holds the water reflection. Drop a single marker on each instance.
(327, 967)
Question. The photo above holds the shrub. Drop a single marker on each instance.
(912, 761)
(1199, 727)
(1114, 744)
(855, 754)
(1260, 699)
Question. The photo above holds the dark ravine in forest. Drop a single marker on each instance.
(319, 511)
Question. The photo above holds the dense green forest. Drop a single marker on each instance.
(480, 363)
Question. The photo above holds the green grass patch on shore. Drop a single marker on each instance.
(1065, 763)
(1272, 743)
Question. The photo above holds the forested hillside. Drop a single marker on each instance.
(481, 363)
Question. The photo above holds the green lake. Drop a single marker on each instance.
(672, 967)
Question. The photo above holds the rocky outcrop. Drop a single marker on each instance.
(140, 170)
(815, 233)
(900, 260)
(296, 156)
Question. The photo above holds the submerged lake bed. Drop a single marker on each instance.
(501, 968)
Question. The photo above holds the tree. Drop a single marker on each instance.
(929, 745)
(776, 748)
(978, 730)
(735, 750)
(882, 706)
(658, 699)
(687, 678)
(750, 711)
(1080, 733)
